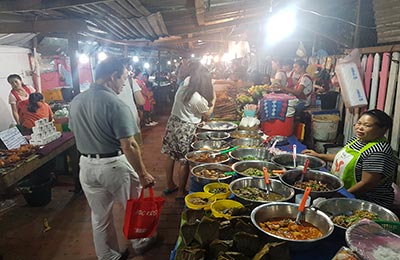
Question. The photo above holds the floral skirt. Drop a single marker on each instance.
(178, 137)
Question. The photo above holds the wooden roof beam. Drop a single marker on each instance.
(70, 25)
(200, 11)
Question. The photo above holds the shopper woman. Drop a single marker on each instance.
(366, 164)
(18, 93)
(33, 109)
(194, 99)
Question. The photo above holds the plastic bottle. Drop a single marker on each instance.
(318, 103)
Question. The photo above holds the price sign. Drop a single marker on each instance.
(12, 138)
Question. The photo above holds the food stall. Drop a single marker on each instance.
(231, 214)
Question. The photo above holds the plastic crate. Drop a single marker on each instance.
(391, 226)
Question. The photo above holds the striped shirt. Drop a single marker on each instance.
(376, 159)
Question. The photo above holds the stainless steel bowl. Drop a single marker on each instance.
(210, 145)
(217, 126)
(211, 166)
(339, 206)
(247, 142)
(241, 166)
(281, 140)
(241, 154)
(286, 160)
(211, 135)
(334, 183)
(276, 186)
(245, 134)
(192, 157)
(289, 210)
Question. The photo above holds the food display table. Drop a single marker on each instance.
(66, 143)
(321, 250)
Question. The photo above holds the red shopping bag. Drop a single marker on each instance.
(142, 216)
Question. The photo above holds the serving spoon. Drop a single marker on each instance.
(300, 210)
(212, 155)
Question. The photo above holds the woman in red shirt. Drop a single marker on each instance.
(33, 109)
(18, 93)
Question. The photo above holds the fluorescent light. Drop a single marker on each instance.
(102, 56)
(281, 25)
(83, 58)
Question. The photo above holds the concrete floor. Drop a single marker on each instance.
(22, 233)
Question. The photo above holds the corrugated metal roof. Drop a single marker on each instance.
(16, 39)
(387, 19)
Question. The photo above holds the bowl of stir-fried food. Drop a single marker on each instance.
(254, 168)
(346, 212)
(248, 154)
(277, 219)
(200, 157)
(322, 184)
(251, 190)
(211, 172)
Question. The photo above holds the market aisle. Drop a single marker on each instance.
(22, 233)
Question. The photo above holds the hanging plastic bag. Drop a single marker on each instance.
(142, 216)
(301, 50)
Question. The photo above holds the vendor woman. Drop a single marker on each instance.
(366, 164)
(303, 87)
(18, 93)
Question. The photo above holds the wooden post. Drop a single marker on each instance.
(37, 65)
(72, 52)
(356, 39)
(159, 68)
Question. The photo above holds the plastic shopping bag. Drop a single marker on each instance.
(142, 216)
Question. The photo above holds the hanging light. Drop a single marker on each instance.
(146, 65)
(135, 58)
(281, 25)
(169, 62)
(102, 56)
(83, 58)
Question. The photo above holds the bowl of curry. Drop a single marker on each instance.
(277, 219)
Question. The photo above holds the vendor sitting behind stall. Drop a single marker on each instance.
(31, 110)
(303, 88)
(366, 164)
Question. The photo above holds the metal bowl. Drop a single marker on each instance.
(210, 145)
(289, 210)
(276, 186)
(251, 153)
(245, 134)
(286, 160)
(241, 166)
(247, 142)
(281, 140)
(333, 182)
(210, 135)
(210, 166)
(194, 158)
(217, 126)
(339, 206)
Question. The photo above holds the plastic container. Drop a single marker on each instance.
(221, 205)
(202, 195)
(36, 191)
(216, 185)
(278, 127)
(325, 127)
